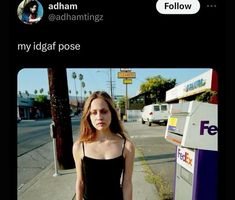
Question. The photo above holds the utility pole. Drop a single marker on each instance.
(60, 111)
(111, 82)
(127, 75)
(126, 101)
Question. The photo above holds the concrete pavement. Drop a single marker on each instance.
(152, 151)
(45, 186)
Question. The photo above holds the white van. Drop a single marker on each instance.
(155, 113)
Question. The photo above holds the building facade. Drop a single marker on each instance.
(191, 89)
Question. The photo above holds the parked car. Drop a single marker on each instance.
(155, 113)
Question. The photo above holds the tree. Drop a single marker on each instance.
(60, 111)
(27, 93)
(82, 86)
(208, 96)
(122, 105)
(41, 98)
(20, 93)
(80, 77)
(74, 76)
(157, 86)
(43, 105)
(35, 92)
(41, 90)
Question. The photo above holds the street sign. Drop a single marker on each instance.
(126, 74)
(127, 81)
(125, 69)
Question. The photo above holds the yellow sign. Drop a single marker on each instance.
(172, 121)
(126, 74)
(127, 81)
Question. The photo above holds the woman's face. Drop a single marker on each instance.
(100, 114)
(33, 9)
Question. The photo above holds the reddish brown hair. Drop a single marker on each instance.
(87, 130)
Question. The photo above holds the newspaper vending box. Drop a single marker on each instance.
(192, 127)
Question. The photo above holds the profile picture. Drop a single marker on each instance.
(30, 11)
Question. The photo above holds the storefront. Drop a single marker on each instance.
(24, 107)
(191, 89)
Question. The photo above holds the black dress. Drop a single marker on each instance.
(102, 178)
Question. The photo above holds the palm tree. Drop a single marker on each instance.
(80, 76)
(82, 85)
(20, 93)
(41, 90)
(74, 76)
(27, 93)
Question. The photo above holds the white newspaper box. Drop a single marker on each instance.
(192, 127)
(193, 124)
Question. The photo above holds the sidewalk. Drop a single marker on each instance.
(47, 187)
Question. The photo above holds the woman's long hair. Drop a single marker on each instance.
(87, 130)
(29, 5)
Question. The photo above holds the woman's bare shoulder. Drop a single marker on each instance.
(77, 144)
(77, 148)
(130, 146)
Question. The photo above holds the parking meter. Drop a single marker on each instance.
(53, 136)
(52, 130)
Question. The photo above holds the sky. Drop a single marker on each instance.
(32, 79)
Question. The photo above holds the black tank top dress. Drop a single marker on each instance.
(102, 178)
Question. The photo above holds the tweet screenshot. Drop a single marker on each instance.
(119, 100)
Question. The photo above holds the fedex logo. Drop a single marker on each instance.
(184, 156)
(211, 129)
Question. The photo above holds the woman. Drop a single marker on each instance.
(29, 15)
(103, 155)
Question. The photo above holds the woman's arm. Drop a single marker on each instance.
(129, 154)
(78, 164)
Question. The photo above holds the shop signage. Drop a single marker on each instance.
(128, 74)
